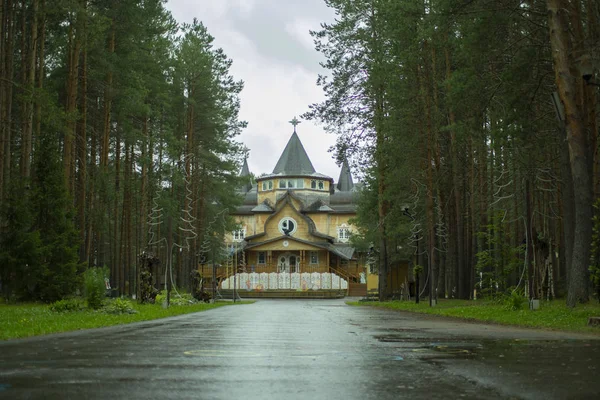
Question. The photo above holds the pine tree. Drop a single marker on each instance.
(21, 264)
(53, 218)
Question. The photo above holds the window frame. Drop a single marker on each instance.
(316, 255)
(239, 235)
(264, 260)
(343, 233)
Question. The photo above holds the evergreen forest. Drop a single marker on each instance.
(117, 127)
(472, 123)
(475, 123)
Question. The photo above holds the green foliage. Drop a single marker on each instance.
(498, 260)
(147, 290)
(198, 291)
(417, 270)
(94, 286)
(24, 320)
(550, 315)
(21, 262)
(119, 306)
(514, 301)
(181, 299)
(67, 305)
(595, 251)
(59, 274)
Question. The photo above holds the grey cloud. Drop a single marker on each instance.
(265, 27)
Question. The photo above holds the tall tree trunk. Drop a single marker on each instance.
(27, 112)
(40, 70)
(82, 180)
(6, 83)
(74, 50)
(429, 203)
(117, 267)
(569, 89)
(10, 30)
(108, 101)
(144, 185)
(457, 189)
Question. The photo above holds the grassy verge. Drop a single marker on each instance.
(551, 315)
(24, 320)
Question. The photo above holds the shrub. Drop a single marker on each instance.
(147, 290)
(417, 269)
(198, 291)
(514, 301)
(95, 288)
(119, 306)
(176, 300)
(67, 305)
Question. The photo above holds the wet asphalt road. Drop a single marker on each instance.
(302, 349)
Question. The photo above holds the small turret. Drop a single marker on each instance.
(345, 183)
(245, 172)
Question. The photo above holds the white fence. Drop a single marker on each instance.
(285, 280)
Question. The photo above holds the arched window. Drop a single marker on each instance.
(313, 184)
(321, 185)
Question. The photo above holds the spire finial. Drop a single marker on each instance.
(295, 122)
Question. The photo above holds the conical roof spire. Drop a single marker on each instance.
(345, 183)
(294, 160)
(245, 172)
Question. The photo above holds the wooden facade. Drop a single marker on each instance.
(296, 220)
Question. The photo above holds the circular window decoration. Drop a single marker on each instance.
(287, 226)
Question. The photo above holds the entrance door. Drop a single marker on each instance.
(282, 265)
(288, 263)
(294, 264)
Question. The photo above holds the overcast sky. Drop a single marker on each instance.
(273, 53)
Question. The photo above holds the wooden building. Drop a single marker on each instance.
(296, 221)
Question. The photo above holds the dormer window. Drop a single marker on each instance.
(267, 185)
(343, 233)
(239, 235)
(315, 184)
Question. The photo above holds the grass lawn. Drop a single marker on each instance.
(551, 315)
(24, 320)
